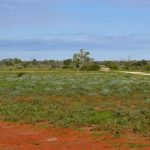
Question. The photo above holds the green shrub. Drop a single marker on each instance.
(90, 67)
(68, 64)
(112, 65)
(147, 67)
(68, 67)
(20, 74)
(84, 68)
(105, 92)
(19, 66)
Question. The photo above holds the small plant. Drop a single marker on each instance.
(20, 74)
(105, 92)
(19, 67)
(15, 93)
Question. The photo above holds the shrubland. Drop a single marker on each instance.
(106, 101)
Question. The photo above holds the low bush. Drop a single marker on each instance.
(90, 67)
(19, 67)
(20, 74)
(68, 67)
(147, 67)
(112, 65)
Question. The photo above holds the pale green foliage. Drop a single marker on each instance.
(82, 58)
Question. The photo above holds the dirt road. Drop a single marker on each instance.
(42, 137)
(136, 73)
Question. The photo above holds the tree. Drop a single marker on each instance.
(8, 62)
(17, 61)
(82, 58)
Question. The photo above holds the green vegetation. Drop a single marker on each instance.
(106, 101)
(82, 58)
(74, 93)
(79, 61)
(112, 65)
(90, 67)
(137, 146)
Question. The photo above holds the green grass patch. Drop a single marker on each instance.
(137, 146)
(100, 117)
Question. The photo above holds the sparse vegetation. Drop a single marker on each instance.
(113, 101)
(77, 93)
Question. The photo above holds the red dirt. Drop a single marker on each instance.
(41, 137)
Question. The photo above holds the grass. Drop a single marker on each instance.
(106, 101)
(136, 146)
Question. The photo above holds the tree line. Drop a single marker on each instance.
(79, 61)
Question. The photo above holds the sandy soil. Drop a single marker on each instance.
(137, 73)
(42, 137)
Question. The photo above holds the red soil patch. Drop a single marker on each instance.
(35, 137)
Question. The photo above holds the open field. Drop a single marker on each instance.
(102, 102)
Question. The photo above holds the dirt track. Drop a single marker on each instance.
(129, 72)
(136, 73)
(41, 137)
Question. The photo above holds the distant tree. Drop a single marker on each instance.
(144, 62)
(8, 62)
(17, 61)
(34, 62)
(82, 58)
(68, 64)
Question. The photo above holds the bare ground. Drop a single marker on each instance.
(42, 137)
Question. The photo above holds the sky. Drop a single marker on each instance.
(56, 29)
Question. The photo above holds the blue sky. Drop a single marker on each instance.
(55, 29)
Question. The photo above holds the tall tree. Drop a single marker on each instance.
(83, 57)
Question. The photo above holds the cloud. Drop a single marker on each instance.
(77, 41)
(33, 13)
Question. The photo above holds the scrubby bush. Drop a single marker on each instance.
(147, 67)
(90, 67)
(18, 66)
(112, 65)
(105, 92)
(68, 67)
(20, 74)
(15, 93)
(68, 64)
